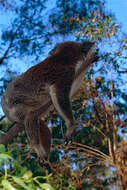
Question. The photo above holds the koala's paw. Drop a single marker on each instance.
(40, 151)
(70, 134)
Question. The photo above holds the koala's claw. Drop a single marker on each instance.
(70, 134)
(47, 165)
(68, 141)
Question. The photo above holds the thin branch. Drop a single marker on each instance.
(2, 117)
(122, 71)
(96, 151)
(95, 164)
(9, 47)
(113, 117)
(13, 130)
(93, 154)
(99, 118)
(6, 52)
(110, 144)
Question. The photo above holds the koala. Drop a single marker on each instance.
(47, 85)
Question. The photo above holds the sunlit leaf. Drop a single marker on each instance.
(2, 148)
(27, 175)
(7, 185)
(46, 186)
(4, 155)
(20, 182)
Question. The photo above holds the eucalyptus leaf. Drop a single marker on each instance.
(20, 182)
(4, 156)
(7, 185)
(46, 186)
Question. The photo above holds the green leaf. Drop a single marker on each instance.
(46, 186)
(27, 175)
(6, 184)
(21, 183)
(3, 156)
(2, 148)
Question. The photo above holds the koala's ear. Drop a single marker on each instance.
(86, 46)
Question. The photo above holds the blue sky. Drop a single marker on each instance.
(119, 8)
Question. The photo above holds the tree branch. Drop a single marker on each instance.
(6, 52)
(13, 130)
(2, 117)
(123, 71)
(9, 47)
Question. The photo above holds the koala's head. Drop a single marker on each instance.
(88, 48)
(74, 54)
(73, 49)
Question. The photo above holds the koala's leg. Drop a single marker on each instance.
(36, 131)
(62, 103)
(32, 127)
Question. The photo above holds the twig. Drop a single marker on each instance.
(110, 144)
(113, 117)
(2, 117)
(6, 52)
(122, 71)
(13, 130)
(9, 47)
(94, 150)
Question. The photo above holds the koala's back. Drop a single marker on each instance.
(25, 93)
(30, 90)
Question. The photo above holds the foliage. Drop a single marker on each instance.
(38, 24)
(13, 175)
(7, 4)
